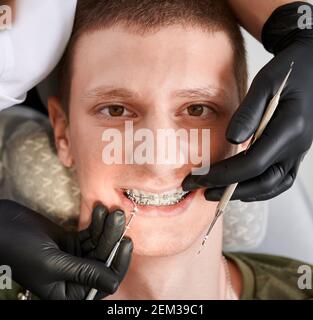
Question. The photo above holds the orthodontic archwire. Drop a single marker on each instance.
(92, 293)
(262, 126)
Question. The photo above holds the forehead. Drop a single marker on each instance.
(157, 62)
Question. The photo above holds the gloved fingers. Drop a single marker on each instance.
(221, 174)
(284, 186)
(122, 259)
(99, 216)
(86, 272)
(112, 232)
(120, 263)
(68, 291)
(262, 154)
(89, 237)
(84, 235)
(265, 85)
(247, 117)
(264, 183)
(100, 295)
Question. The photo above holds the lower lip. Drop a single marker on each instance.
(157, 211)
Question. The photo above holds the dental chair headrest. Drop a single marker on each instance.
(30, 172)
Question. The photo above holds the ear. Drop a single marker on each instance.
(60, 124)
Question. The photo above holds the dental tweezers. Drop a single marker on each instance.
(265, 120)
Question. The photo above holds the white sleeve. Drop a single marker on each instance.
(31, 49)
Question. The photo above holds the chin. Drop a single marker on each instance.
(157, 241)
(160, 249)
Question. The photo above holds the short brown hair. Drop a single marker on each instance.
(142, 16)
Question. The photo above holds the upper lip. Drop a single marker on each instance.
(151, 190)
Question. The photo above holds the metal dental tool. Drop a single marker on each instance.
(92, 293)
(265, 120)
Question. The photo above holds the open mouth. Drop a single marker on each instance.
(144, 198)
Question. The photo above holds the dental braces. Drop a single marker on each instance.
(155, 200)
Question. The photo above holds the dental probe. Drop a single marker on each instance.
(92, 293)
(265, 120)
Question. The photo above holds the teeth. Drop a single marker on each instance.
(156, 199)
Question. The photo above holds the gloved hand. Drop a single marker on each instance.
(271, 164)
(49, 261)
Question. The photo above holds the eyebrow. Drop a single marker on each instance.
(112, 92)
(109, 92)
(207, 92)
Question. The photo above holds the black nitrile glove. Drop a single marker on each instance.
(58, 265)
(270, 166)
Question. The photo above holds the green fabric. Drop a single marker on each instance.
(11, 294)
(268, 277)
(265, 277)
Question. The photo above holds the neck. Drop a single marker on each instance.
(183, 276)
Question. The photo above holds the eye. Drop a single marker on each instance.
(198, 110)
(116, 111)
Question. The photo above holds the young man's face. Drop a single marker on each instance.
(174, 78)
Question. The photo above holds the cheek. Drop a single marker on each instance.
(220, 147)
(93, 176)
(86, 151)
(96, 179)
(86, 144)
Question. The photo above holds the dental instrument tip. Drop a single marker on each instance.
(217, 214)
(203, 243)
